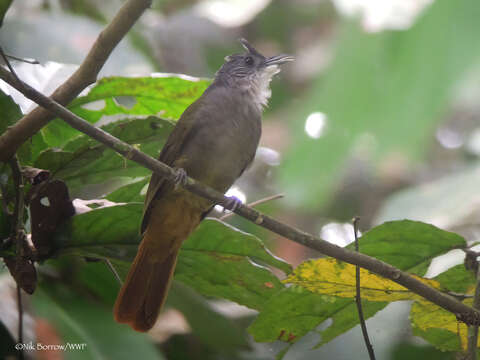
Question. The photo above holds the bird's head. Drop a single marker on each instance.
(252, 72)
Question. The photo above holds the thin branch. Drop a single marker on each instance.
(254, 203)
(19, 203)
(472, 336)
(5, 199)
(114, 271)
(28, 61)
(85, 75)
(17, 234)
(463, 312)
(21, 355)
(4, 57)
(358, 298)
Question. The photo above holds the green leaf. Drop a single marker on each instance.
(294, 312)
(457, 279)
(383, 94)
(280, 355)
(10, 114)
(130, 192)
(225, 239)
(438, 326)
(440, 337)
(212, 328)
(285, 318)
(345, 318)
(406, 350)
(408, 245)
(111, 232)
(87, 164)
(165, 96)
(83, 322)
(87, 276)
(216, 259)
(4, 5)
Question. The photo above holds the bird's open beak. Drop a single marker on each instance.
(274, 60)
(278, 59)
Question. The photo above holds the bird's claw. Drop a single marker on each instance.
(232, 203)
(180, 178)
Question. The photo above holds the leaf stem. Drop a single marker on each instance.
(114, 271)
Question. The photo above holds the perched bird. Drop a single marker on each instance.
(213, 142)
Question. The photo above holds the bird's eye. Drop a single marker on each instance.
(249, 60)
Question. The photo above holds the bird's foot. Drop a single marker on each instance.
(180, 178)
(232, 203)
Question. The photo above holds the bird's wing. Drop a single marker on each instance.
(170, 155)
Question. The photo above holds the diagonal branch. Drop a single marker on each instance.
(85, 75)
(463, 312)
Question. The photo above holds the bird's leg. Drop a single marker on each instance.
(180, 177)
(232, 203)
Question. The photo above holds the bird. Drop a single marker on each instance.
(213, 142)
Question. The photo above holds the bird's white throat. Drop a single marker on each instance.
(259, 87)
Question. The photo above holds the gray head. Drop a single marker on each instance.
(251, 72)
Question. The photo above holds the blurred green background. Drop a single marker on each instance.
(378, 117)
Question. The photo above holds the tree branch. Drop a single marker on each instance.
(85, 75)
(19, 202)
(21, 354)
(17, 233)
(463, 312)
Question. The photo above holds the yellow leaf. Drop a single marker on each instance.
(332, 277)
(426, 315)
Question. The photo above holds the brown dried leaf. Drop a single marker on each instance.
(50, 205)
(24, 273)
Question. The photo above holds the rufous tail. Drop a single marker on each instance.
(145, 289)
